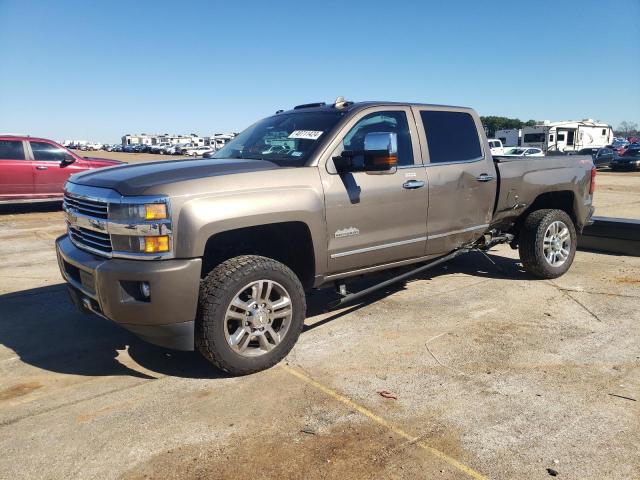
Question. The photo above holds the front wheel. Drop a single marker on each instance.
(251, 311)
(548, 243)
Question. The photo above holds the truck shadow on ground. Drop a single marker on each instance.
(43, 328)
(474, 264)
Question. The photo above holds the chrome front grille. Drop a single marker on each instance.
(83, 212)
(95, 223)
(91, 239)
(85, 206)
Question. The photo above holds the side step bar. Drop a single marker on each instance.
(350, 297)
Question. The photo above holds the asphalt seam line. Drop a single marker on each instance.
(385, 423)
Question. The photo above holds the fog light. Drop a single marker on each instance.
(156, 244)
(145, 289)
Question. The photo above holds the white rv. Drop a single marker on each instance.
(219, 140)
(567, 136)
(510, 137)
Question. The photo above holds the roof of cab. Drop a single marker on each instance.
(13, 136)
(352, 106)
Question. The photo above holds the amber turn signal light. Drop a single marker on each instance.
(155, 211)
(156, 244)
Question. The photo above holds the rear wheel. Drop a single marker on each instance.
(251, 312)
(548, 243)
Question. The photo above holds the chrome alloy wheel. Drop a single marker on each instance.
(258, 318)
(557, 243)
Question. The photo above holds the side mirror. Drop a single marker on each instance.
(380, 154)
(380, 151)
(67, 160)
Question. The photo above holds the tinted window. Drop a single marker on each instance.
(48, 152)
(534, 137)
(451, 136)
(392, 122)
(11, 150)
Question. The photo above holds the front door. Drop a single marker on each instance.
(16, 175)
(462, 178)
(49, 170)
(375, 218)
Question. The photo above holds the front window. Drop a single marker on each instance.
(48, 152)
(287, 140)
(386, 122)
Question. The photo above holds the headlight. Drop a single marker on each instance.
(128, 212)
(140, 228)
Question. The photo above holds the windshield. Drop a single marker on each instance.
(286, 140)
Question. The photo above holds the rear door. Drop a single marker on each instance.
(50, 172)
(16, 175)
(375, 218)
(461, 175)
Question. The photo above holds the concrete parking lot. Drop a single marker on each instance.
(494, 374)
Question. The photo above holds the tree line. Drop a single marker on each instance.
(493, 123)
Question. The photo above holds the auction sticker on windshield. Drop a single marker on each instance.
(306, 134)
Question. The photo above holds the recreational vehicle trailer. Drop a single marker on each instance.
(510, 137)
(569, 136)
(219, 140)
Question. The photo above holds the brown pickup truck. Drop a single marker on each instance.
(217, 254)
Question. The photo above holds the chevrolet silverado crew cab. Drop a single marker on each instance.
(217, 254)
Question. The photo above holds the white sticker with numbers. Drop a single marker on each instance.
(306, 134)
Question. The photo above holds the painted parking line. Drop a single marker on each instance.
(385, 423)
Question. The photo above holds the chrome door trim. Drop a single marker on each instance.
(378, 247)
(456, 162)
(455, 232)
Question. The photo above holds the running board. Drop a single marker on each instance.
(350, 297)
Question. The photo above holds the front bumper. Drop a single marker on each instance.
(109, 288)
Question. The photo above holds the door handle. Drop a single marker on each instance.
(41, 167)
(413, 184)
(483, 177)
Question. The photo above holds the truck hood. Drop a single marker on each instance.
(102, 162)
(136, 179)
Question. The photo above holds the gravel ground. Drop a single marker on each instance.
(496, 374)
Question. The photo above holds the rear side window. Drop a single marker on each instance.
(451, 136)
(11, 150)
(46, 151)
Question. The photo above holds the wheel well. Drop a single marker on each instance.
(561, 200)
(289, 243)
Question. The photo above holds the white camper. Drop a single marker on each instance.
(219, 140)
(510, 137)
(569, 136)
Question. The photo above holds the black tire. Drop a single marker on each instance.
(219, 288)
(531, 243)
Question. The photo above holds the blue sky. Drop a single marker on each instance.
(97, 70)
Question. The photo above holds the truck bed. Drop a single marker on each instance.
(523, 179)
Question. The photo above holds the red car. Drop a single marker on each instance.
(33, 169)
